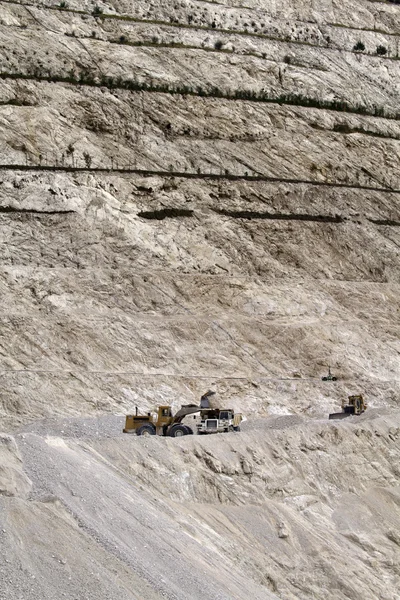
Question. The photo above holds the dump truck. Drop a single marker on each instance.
(164, 424)
(217, 420)
(355, 405)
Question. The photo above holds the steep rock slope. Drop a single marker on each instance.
(287, 509)
(194, 194)
(198, 193)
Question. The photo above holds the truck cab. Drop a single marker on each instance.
(215, 420)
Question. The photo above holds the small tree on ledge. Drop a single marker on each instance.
(97, 11)
(88, 159)
(359, 47)
(70, 152)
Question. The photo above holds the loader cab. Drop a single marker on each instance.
(358, 404)
(164, 416)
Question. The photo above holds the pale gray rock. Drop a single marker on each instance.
(155, 245)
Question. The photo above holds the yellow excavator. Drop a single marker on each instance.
(355, 405)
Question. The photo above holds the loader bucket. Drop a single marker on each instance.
(186, 409)
(340, 415)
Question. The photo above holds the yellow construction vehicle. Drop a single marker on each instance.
(356, 405)
(164, 424)
(212, 420)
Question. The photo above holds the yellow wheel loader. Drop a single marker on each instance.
(164, 424)
(356, 405)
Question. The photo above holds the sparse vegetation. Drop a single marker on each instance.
(88, 159)
(86, 77)
(381, 50)
(192, 22)
(345, 128)
(359, 47)
(198, 174)
(160, 215)
(70, 152)
(97, 11)
(342, 128)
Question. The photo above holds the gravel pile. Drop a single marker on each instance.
(102, 426)
(227, 516)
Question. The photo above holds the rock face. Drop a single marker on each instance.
(13, 481)
(195, 195)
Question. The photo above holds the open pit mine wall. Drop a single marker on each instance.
(195, 193)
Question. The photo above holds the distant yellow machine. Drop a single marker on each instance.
(355, 405)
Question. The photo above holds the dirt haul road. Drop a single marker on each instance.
(289, 508)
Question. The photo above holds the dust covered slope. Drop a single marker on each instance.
(199, 193)
(279, 511)
(196, 193)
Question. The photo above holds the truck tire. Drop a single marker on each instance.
(147, 429)
(178, 431)
(189, 430)
(237, 428)
(229, 429)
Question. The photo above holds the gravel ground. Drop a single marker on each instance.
(110, 426)
(213, 517)
(103, 426)
(124, 520)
